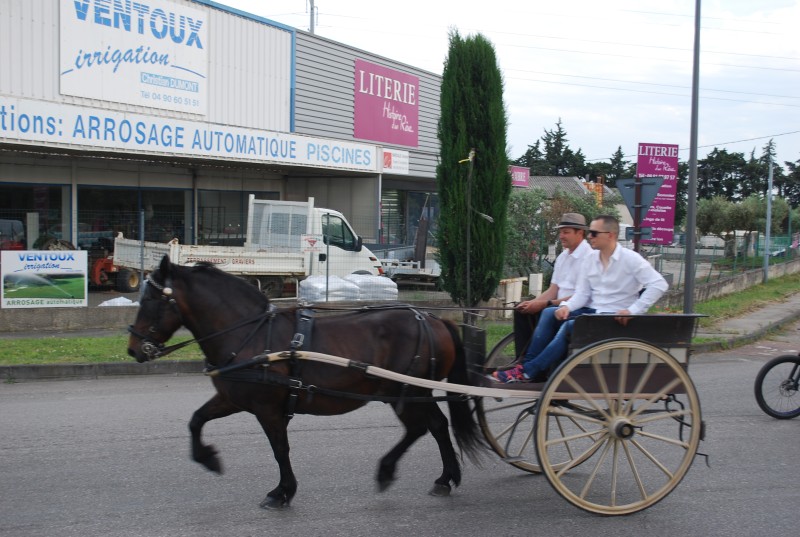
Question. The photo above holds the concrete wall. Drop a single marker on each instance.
(706, 291)
(49, 320)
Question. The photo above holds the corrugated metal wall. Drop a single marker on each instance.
(250, 65)
(324, 97)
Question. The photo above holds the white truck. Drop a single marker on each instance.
(286, 242)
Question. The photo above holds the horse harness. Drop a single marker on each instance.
(256, 370)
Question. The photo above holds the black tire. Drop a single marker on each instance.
(57, 244)
(776, 387)
(127, 281)
(502, 355)
(272, 287)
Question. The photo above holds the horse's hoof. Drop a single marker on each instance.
(274, 503)
(213, 464)
(384, 484)
(208, 458)
(440, 490)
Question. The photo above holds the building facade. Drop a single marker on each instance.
(158, 118)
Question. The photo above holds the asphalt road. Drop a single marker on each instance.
(110, 457)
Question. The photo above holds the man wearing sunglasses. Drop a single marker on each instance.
(611, 281)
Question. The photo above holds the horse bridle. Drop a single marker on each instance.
(153, 349)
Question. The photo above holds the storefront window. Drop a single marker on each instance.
(401, 215)
(104, 212)
(46, 203)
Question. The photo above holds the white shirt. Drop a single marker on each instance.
(617, 287)
(567, 267)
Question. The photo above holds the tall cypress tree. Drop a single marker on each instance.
(473, 117)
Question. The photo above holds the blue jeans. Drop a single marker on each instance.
(549, 343)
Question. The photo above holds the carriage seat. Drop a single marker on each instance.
(672, 332)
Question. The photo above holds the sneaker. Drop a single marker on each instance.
(515, 374)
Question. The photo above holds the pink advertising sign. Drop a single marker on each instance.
(520, 176)
(386, 105)
(660, 160)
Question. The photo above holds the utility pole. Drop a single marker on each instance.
(691, 209)
(768, 224)
(311, 22)
(471, 159)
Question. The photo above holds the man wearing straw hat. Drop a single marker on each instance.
(572, 235)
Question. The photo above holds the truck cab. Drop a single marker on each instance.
(323, 235)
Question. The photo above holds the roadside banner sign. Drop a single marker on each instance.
(44, 278)
(660, 160)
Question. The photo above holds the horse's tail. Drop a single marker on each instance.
(462, 419)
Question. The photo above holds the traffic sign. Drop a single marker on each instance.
(649, 187)
(645, 233)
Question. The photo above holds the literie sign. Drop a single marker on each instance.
(660, 160)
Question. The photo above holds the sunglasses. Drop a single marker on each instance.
(593, 233)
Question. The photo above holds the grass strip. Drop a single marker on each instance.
(110, 349)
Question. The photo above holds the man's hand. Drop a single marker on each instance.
(562, 313)
(623, 320)
(530, 307)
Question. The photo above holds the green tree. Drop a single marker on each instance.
(713, 218)
(721, 174)
(552, 155)
(618, 168)
(527, 238)
(473, 116)
(790, 190)
(744, 216)
(532, 221)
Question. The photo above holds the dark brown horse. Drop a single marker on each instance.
(234, 323)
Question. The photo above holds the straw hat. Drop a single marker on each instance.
(573, 220)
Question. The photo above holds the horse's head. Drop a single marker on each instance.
(158, 317)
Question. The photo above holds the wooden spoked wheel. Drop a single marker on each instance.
(508, 426)
(639, 409)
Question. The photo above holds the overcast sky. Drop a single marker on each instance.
(616, 72)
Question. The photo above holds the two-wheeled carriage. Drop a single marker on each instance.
(617, 425)
(614, 429)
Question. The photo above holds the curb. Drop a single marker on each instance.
(744, 339)
(15, 373)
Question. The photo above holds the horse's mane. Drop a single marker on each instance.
(233, 284)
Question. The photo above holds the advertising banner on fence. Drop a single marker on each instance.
(44, 278)
(660, 160)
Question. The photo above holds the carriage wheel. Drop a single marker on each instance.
(644, 437)
(502, 355)
(508, 426)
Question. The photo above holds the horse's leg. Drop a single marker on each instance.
(274, 426)
(451, 469)
(216, 407)
(416, 426)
